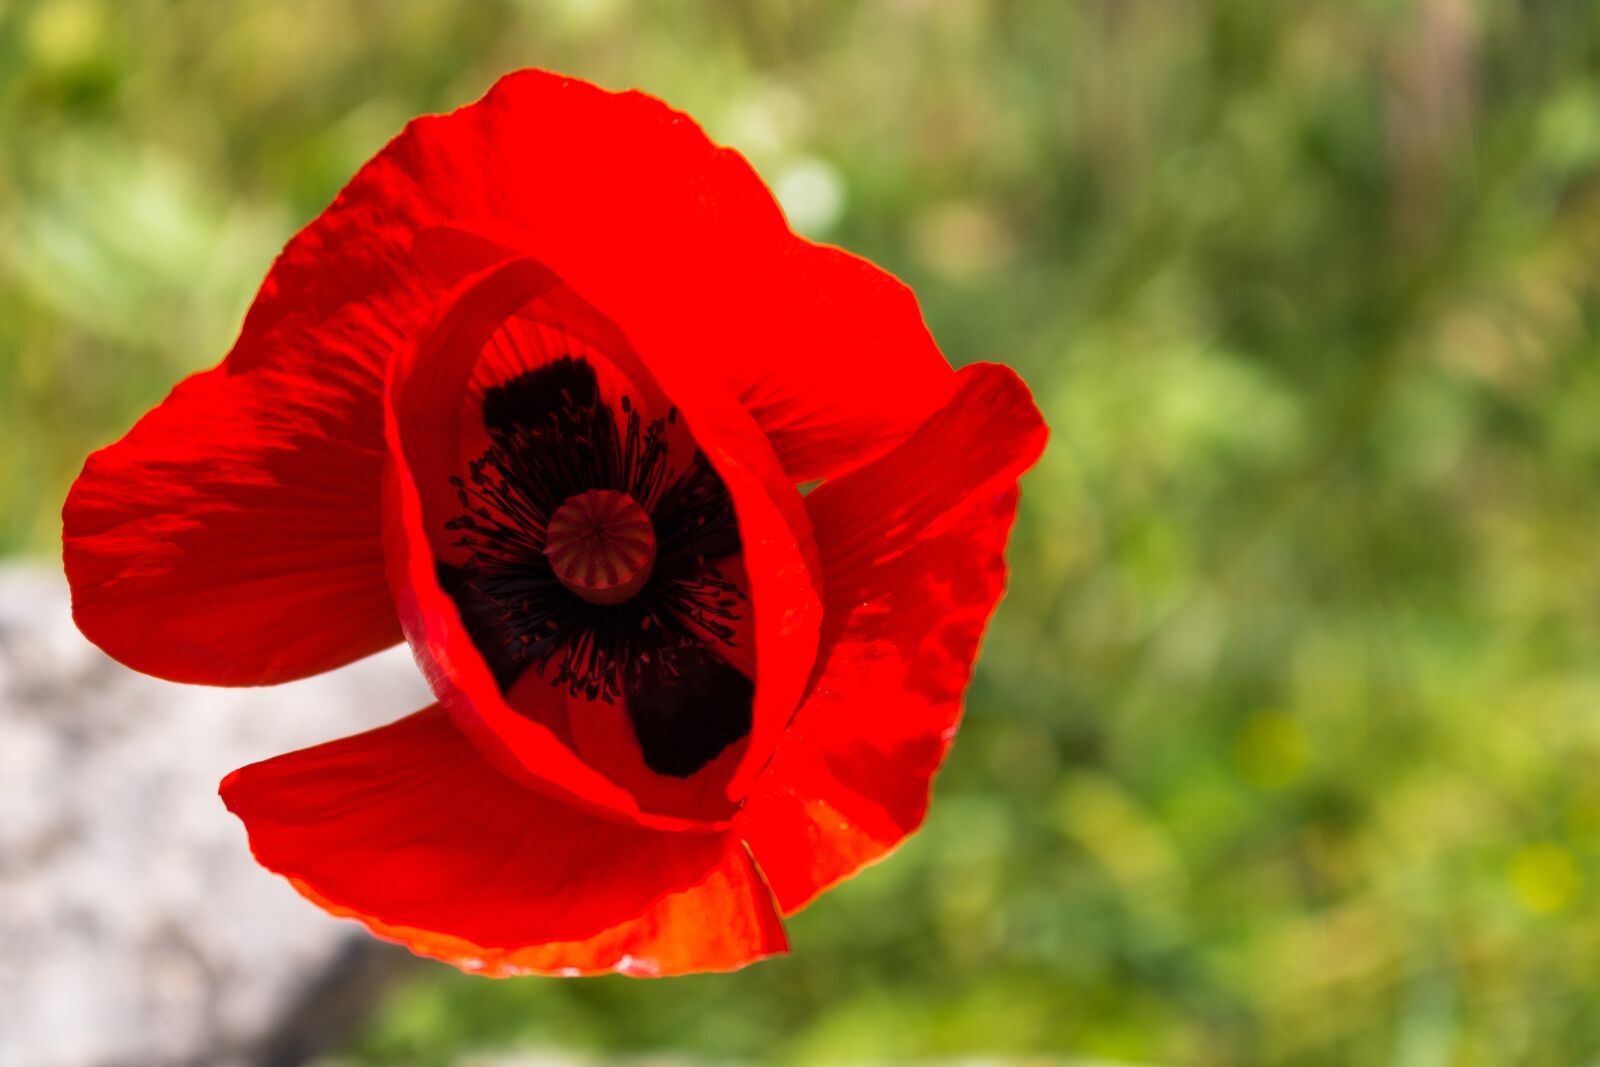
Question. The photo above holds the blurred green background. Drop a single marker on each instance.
(1285, 746)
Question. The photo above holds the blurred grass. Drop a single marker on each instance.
(1284, 747)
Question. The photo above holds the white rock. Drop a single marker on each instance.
(134, 926)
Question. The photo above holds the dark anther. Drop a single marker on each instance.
(609, 623)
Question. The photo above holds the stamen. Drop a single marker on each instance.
(584, 551)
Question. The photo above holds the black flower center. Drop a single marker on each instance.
(591, 560)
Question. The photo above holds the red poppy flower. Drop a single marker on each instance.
(535, 394)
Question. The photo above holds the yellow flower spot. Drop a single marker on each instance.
(1545, 877)
(1270, 750)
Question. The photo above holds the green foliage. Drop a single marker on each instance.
(1284, 747)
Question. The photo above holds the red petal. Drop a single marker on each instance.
(912, 552)
(681, 243)
(187, 557)
(233, 536)
(850, 368)
(827, 351)
(424, 430)
(407, 829)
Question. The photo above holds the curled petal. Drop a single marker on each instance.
(424, 427)
(407, 829)
(912, 552)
